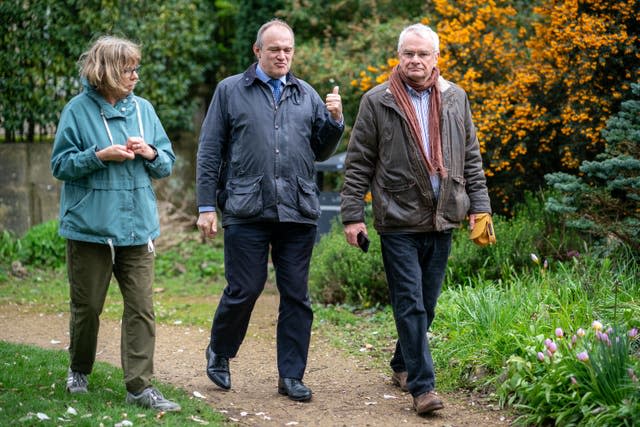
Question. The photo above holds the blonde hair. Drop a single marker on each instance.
(104, 63)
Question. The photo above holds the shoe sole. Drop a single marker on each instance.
(297, 399)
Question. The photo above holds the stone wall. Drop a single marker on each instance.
(29, 193)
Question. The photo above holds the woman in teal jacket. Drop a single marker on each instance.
(109, 145)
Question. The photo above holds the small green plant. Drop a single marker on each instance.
(341, 273)
(42, 246)
(9, 247)
(587, 378)
(193, 259)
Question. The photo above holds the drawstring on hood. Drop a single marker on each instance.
(113, 251)
(151, 247)
(106, 124)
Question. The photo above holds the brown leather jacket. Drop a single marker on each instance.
(383, 157)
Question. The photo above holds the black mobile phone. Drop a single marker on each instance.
(363, 241)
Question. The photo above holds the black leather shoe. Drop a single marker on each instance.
(218, 369)
(294, 389)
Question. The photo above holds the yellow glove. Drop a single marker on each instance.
(483, 233)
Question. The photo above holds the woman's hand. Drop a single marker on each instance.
(137, 145)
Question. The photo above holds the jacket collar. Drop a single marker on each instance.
(105, 107)
(250, 78)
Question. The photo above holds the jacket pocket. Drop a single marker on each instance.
(400, 205)
(92, 213)
(308, 201)
(457, 203)
(244, 196)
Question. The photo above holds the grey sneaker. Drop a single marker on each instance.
(151, 398)
(76, 382)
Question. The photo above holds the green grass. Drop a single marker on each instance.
(32, 386)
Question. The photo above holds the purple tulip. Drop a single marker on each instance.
(559, 333)
(552, 347)
(583, 356)
(633, 333)
(541, 356)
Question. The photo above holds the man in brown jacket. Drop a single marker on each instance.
(414, 146)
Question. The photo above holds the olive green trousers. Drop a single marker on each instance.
(90, 267)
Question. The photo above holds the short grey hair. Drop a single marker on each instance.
(270, 24)
(423, 31)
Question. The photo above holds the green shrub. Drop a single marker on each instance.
(192, 259)
(532, 230)
(603, 199)
(42, 246)
(341, 273)
(9, 247)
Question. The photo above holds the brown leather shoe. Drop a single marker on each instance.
(427, 402)
(399, 379)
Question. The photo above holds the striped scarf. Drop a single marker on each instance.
(397, 80)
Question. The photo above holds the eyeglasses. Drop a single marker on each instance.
(423, 54)
(129, 71)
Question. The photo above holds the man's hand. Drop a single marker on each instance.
(334, 104)
(472, 220)
(208, 224)
(351, 232)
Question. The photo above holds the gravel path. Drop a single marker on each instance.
(345, 392)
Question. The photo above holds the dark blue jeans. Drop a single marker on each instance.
(246, 252)
(415, 265)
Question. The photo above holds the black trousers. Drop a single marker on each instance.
(246, 253)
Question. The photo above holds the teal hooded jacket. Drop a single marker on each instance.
(111, 203)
